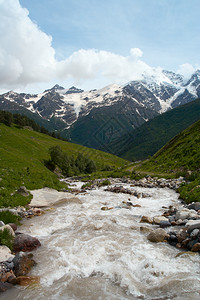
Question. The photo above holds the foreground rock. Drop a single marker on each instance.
(26, 243)
(23, 262)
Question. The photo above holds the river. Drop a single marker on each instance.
(89, 253)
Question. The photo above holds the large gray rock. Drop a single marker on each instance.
(192, 225)
(183, 214)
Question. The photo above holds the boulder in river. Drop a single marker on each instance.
(23, 262)
(26, 243)
(158, 219)
(146, 219)
(158, 235)
(27, 280)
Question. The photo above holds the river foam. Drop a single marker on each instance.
(89, 253)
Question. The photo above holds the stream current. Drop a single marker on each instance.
(89, 253)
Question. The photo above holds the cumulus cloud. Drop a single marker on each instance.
(27, 56)
(186, 70)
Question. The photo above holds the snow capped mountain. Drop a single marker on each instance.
(135, 102)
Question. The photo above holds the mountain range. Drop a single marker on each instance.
(97, 118)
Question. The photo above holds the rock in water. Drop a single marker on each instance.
(27, 280)
(23, 262)
(146, 219)
(158, 235)
(159, 219)
(24, 242)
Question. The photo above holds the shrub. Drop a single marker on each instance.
(6, 238)
(105, 182)
(8, 217)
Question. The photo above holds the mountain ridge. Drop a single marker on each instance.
(129, 105)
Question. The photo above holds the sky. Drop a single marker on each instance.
(93, 43)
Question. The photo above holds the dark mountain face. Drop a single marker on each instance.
(82, 114)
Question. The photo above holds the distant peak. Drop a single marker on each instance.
(73, 89)
(56, 87)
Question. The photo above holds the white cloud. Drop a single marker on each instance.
(187, 70)
(27, 56)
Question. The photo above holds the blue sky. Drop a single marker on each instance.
(165, 31)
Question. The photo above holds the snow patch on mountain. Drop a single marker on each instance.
(82, 99)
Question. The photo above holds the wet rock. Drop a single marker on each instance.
(158, 235)
(106, 208)
(194, 205)
(146, 219)
(121, 189)
(13, 226)
(172, 239)
(181, 222)
(5, 286)
(171, 219)
(26, 243)
(194, 233)
(23, 262)
(182, 235)
(191, 243)
(182, 214)
(185, 242)
(145, 229)
(194, 225)
(27, 280)
(196, 247)
(164, 224)
(158, 219)
(5, 254)
(185, 253)
(7, 276)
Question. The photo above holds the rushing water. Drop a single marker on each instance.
(88, 253)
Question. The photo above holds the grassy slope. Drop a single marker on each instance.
(22, 148)
(180, 155)
(154, 134)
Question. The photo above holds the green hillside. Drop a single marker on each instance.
(181, 157)
(154, 134)
(22, 156)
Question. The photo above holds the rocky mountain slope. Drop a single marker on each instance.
(155, 133)
(97, 117)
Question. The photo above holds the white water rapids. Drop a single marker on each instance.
(88, 253)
